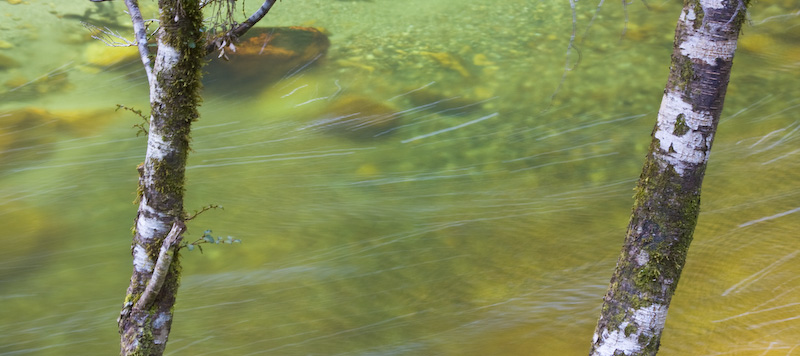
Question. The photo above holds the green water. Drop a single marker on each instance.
(487, 221)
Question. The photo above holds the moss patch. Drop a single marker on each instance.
(680, 128)
(698, 13)
(630, 329)
(683, 73)
(668, 205)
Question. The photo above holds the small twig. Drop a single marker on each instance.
(108, 36)
(202, 210)
(161, 268)
(207, 238)
(141, 126)
(135, 111)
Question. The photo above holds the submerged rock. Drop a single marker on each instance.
(449, 61)
(21, 88)
(268, 54)
(7, 62)
(26, 133)
(99, 54)
(446, 101)
(358, 117)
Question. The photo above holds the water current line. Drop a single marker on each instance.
(758, 275)
(751, 222)
(409, 92)
(450, 128)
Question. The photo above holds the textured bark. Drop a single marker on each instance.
(667, 200)
(146, 316)
(174, 95)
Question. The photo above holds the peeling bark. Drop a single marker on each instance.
(667, 200)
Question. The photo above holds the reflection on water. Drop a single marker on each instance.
(413, 191)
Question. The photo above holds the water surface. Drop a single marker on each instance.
(485, 220)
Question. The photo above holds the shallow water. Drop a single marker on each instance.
(486, 220)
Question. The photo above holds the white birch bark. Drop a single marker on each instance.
(668, 194)
(174, 80)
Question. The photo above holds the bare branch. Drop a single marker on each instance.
(135, 111)
(203, 210)
(108, 36)
(253, 19)
(219, 43)
(140, 33)
(142, 126)
(161, 268)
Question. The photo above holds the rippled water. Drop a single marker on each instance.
(485, 220)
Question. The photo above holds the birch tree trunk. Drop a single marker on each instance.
(146, 318)
(667, 199)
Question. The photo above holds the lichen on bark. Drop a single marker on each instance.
(667, 199)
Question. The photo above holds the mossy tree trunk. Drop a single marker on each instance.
(667, 198)
(146, 318)
(175, 81)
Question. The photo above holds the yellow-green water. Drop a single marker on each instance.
(491, 229)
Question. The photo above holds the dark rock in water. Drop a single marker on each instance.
(269, 54)
(358, 117)
(7, 62)
(27, 134)
(20, 88)
(23, 130)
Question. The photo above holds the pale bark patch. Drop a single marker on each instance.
(167, 57)
(712, 4)
(617, 341)
(688, 17)
(160, 332)
(149, 225)
(691, 147)
(141, 260)
(704, 45)
(161, 320)
(642, 258)
(157, 148)
(645, 320)
(652, 316)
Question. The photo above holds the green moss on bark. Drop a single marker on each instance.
(680, 128)
(182, 83)
(682, 74)
(741, 14)
(630, 329)
(168, 179)
(698, 13)
(146, 345)
(162, 179)
(667, 206)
